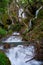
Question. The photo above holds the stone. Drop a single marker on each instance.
(6, 46)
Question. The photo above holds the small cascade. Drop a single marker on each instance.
(21, 13)
(30, 23)
(15, 37)
(20, 54)
(38, 11)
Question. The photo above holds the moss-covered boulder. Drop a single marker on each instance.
(3, 59)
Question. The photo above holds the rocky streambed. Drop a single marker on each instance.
(22, 53)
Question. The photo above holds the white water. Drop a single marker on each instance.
(36, 15)
(20, 54)
(38, 11)
(20, 12)
(1, 47)
(30, 23)
(14, 38)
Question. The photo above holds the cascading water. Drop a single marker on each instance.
(21, 13)
(20, 54)
(14, 38)
(37, 11)
(30, 23)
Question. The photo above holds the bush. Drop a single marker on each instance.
(3, 59)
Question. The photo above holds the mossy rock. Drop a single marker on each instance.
(4, 59)
(40, 15)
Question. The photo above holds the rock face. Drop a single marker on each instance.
(6, 46)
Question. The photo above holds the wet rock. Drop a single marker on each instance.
(6, 46)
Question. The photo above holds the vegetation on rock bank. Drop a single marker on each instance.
(4, 59)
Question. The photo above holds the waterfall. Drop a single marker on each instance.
(15, 37)
(21, 13)
(30, 23)
(37, 11)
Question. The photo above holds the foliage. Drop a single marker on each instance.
(29, 8)
(3, 6)
(3, 59)
(40, 15)
(2, 32)
(10, 31)
(16, 27)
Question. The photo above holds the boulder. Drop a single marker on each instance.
(6, 46)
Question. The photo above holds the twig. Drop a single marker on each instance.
(30, 59)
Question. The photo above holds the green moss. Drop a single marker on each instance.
(16, 27)
(2, 32)
(40, 15)
(3, 59)
(10, 31)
